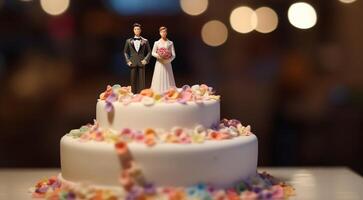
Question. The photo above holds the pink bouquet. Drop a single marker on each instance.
(164, 53)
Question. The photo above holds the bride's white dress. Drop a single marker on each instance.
(163, 77)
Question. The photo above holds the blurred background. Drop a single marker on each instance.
(292, 70)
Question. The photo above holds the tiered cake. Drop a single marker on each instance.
(152, 146)
(189, 145)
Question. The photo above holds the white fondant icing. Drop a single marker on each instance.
(160, 115)
(220, 163)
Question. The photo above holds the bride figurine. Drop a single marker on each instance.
(164, 52)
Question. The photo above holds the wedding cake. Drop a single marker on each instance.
(176, 139)
(160, 146)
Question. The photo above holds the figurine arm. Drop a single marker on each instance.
(172, 52)
(156, 55)
(126, 51)
(148, 55)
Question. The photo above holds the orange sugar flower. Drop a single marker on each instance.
(203, 89)
(106, 93)
(147, 92)
(233, 196)
(125, 90)
(224, 136)
(98, 195)
(121, 148)
(149, 141)
(103, 96)
(177, 195)
(215, 135)
(171, 138)
(175, 95)
(172, 93)
(150, 133)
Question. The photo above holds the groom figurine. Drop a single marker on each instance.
(137, 54)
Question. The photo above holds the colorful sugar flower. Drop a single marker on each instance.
(134, 189)
(227, 129)
(196, 93)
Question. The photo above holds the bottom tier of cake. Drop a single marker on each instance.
(219, 163)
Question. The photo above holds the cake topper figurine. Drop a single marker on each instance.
(137, 54)
(164, 52)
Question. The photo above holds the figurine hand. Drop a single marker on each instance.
(164, 61)
(129, 63)
(143, 62)
(161, 60)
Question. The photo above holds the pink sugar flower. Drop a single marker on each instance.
(139, 137)
(126, 131)
(203, 87)
(186, 96)
(277, 192)
(95, 126)
(137, 98)
(126, 134)
(99, 136)
(186, 87)
(248, 195)
(179, 132)
(185, 140)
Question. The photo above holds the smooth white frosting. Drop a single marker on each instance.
(220, 163)
(160, 115)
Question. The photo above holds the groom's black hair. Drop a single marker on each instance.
(136, 25)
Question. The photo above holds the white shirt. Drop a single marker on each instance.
(137, 43)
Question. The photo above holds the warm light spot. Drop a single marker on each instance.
(214, 33)
(194, 7)
(267, 20)
(54, 7)
(243, 19)
(302, 15)
(347, 1)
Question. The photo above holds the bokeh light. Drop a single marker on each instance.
(214, 33)
(267, 20)
(243, 19)
(347, 1)
(302, 15)
(54, 7)
(194, 7)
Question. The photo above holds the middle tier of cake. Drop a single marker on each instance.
(158, 116)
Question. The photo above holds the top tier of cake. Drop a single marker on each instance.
(185, 107)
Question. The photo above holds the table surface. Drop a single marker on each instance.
(309, 182)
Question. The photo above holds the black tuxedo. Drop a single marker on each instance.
(135, 57)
